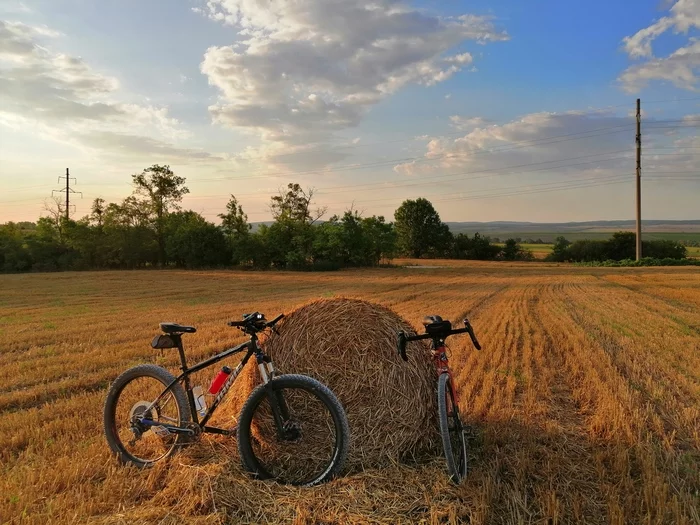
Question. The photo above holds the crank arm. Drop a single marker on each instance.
(222, 431)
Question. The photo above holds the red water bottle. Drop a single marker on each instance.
(219, 380)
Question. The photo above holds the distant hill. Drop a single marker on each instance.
(596, 226)
(655, 229)
(688, 226)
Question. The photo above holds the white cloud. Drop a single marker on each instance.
(639, 44)
(537, 138)
(464, 123)
(305, 69)
(679, 67)
(64, 99)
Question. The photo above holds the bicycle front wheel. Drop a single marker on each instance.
(293, 430)
(451, 430)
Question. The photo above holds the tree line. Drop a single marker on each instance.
(149, 228)
(621, 246)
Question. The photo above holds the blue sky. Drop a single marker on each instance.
(492, 110)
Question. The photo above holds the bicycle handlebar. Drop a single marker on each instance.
(472, 335)
(249, 320)
(275, 320)
(403, 338)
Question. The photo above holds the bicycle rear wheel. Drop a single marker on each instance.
(293, 430)
(125, 406)
(451, 430)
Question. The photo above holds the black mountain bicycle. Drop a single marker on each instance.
(292, 428)
(451, 428)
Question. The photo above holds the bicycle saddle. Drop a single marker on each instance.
(174, 328)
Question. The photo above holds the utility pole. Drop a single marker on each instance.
(68, 190)
(639, 180)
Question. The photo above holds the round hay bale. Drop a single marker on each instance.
(350, 345)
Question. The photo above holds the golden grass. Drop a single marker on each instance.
(584, 403)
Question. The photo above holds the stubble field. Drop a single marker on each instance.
(584, 402)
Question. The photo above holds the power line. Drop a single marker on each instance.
(422, 158)
(460, 132)
(499, 171)
(615, 179)
(565, 181)
(439, 157)
(498, 149)
(671, 100)
(432, 178)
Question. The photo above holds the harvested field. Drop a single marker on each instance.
(585, 402)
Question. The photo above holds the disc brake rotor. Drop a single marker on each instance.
(139, 411)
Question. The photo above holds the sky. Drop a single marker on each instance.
(509, 110)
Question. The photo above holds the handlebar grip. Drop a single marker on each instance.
(401, 347)
(275, 320)
(472, 335)
(236, 323)
(475, 341)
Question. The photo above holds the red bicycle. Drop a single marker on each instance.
(451, 428)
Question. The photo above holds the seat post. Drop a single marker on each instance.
(181, 350)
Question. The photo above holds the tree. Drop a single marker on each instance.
(622, 245)
(14, 253)
(478, 248)
(130, 239)
(587, 250)
(512, 251)
(560, 251)
(381, 237)
(664, 249)
(295, 205)
(132, 212)
(352, 240)
(56, 215)
(164, 191)
(192, 241)
(289, 240)
(420, 230)
(98, 211)
(234, 224)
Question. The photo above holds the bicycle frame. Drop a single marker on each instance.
(252, 346)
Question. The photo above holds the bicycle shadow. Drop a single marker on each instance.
(521, 473)
(518, 473)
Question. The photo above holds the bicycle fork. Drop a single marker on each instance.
(442, 366)
(287, 430)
